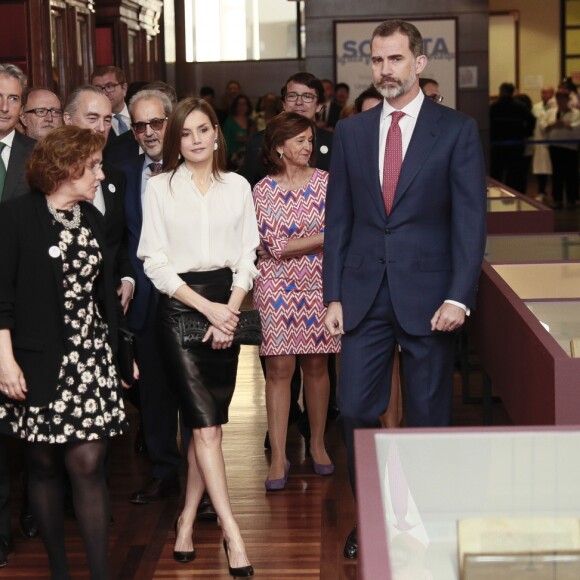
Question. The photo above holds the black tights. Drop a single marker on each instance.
(85, 464)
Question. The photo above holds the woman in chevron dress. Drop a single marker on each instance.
(289, 204)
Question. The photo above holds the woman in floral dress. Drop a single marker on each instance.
(58, 327)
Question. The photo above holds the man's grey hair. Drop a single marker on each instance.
(11, 70)
(151, 94)
(72, 103)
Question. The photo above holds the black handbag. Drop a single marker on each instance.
(193, 325)
(126, 356)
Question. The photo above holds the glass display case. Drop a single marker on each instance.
(510, 212)
(414, 486)
(542, 281)
(525, 349)
(561, 319)
(556, 247)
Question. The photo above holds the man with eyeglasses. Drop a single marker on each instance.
(303, 93)
(158, 407)
(430, 88)
(112, 81)
(42, 112)
(88, 108)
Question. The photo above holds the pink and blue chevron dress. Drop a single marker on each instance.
(288, 292)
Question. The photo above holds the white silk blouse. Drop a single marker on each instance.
(187, 231)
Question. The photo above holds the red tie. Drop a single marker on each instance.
(393, 160)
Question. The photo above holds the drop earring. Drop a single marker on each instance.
(215, 145)
(281, 154)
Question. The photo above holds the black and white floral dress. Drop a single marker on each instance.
(88, 404)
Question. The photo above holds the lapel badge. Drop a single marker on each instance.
(324, 150)
(112, 188)
(54, 252)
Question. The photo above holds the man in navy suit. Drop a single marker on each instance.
(149, 110)
(404, 242)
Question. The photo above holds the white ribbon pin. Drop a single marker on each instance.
(54, 252)
(112, 188)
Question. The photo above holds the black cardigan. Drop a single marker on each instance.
(32, 295)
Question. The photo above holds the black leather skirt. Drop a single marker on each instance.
(203, 378)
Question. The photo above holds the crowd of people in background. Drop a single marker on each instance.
(184, 205)
(540, 139)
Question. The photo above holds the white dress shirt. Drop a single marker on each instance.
(187, 231)
(6, 150)
(126, 117)
(406, 123)
(146, 175)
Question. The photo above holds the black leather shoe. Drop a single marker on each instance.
(157, 489)
(28, 525)
(140, 441)
(6, 547)
(205, 510)
(332, 413)
(351, 545)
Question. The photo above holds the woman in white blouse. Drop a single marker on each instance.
(198, 243)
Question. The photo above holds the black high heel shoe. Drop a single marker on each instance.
(242, 571)
(182, 557)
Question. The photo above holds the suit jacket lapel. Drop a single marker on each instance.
(369, 158)
(14, 171)
(425, 135)
(136, 190)
(51, 239)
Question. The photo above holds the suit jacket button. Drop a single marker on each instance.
(382, 260)
(387, 232)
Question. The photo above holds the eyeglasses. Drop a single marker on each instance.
(155, 124)
(42, 112)
(435, 98)
(95, 167)
(306, 97)
(109, 87)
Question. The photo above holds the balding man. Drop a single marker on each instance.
(87, 107)
(42, 112)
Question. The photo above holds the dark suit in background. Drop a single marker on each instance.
(333, 115)
(14, 186)
(113, 187)
(391, 273)
(120, 148)
(158, 406)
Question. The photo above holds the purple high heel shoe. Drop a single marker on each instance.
(280, 483)
(322, 468)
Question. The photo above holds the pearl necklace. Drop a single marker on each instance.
(59, 216)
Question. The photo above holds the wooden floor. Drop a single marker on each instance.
(295, 534)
